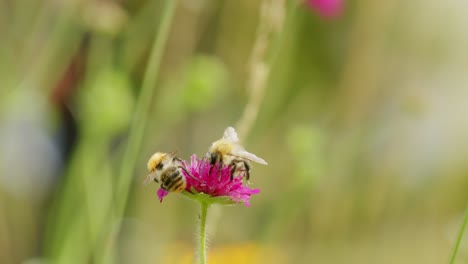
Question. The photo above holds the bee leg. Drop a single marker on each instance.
(220, 168)
(233, 169)
(213, 158)
(189, 174)
(247, 170)
(211, 168)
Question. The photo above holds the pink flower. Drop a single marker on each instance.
(162, 193)
(327, 8)
(214, 183)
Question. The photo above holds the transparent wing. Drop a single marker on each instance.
(249, 156)
(149, 178)
(230, 134)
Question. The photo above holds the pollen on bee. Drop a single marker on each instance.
(225, 147)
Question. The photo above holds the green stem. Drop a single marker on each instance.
(460, 237)
(202, 241)
(143, 106)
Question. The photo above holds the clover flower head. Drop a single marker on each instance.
(213, 182)
(327, 8)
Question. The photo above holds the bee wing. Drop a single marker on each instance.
(149, 178)
(249, 156)
(230, 134)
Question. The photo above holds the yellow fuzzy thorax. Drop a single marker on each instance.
(222, 146)
(155, 160)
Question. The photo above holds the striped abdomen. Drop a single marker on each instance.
(173, 180)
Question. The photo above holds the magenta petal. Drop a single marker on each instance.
(216, 181)
(161, 194)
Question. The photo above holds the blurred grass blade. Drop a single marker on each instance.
(143, 105)
(460, 237)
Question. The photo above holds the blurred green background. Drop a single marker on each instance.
(362, 117)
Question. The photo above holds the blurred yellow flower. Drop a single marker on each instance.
(245, 253)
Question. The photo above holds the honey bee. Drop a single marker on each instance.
(228, 152)
(165, 168)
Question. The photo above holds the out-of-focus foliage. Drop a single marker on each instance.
(205, 81)
(107, 103)
(196, 87)
(362, 122)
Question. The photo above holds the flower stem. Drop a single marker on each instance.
(460, 237)
(202, 241)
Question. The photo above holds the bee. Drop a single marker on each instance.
(228, 152)
(165, 168)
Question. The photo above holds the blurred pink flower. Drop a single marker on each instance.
(209, 180)
(327, 8)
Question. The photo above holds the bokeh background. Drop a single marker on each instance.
(360, 107)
